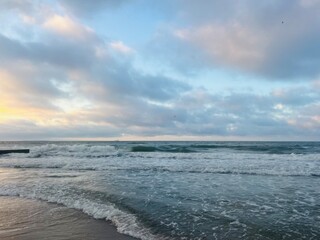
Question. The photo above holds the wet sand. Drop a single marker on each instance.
(24, 219)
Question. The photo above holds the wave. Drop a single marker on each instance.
(126, 223)
(272, 171)
(269, 148)
(106, 150)
(61, 176)
(73, 150)
(166, 148)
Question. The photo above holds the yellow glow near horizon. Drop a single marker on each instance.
(7, 113)
(5, 110)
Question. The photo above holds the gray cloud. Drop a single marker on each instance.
(11, 49)
(27, 130)
(239, 115)
(56, 52)
(87, 8)
(21, 5)
(127, 82)
(273, 39)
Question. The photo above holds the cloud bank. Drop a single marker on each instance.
(60, 78)
(273, 39)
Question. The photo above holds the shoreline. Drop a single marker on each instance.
(28, 219)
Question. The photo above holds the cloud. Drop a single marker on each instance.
(25, 5)
(63, 67)
(87, 8)
(267, 38)
(121, 47)
(232, 45)
(28, 130)
(55, 52)
(68, 27)
(70, 82)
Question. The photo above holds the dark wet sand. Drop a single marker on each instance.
(23, 219)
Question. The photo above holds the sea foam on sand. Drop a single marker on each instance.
(25, 219)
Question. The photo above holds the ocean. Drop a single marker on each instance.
(176, 190)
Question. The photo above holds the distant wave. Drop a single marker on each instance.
(271, 148)
(262, 172)
(231, 172)
(72, 150)
(92, 150)
(165, 148)
(208, 157)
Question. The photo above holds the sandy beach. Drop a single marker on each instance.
(24, 219)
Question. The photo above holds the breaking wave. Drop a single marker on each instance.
(125, 222)
(269, 148)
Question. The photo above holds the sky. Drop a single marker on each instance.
(160, 70)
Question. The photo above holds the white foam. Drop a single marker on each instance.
(86, 157)
(74, 150)
(126, 223)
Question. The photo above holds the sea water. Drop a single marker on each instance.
(176, 190)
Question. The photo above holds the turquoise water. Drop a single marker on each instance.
(177, 190)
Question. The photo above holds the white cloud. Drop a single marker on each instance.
(68, 27)
(272, 39)
(28, 19)
(279, 106)
(121, 47)
(228, 44)
(309, 3)
(316, 84)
